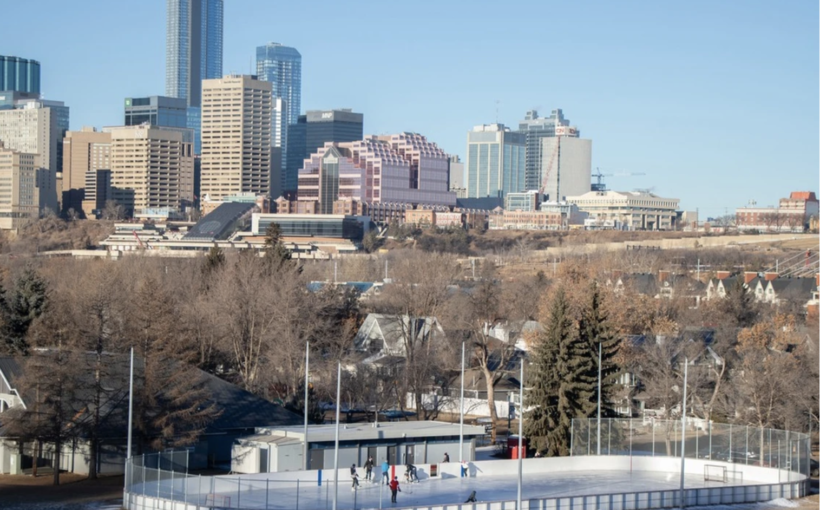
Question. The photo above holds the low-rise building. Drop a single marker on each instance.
(793, 214)
(276, 449)
(633, 210)
(526, 220)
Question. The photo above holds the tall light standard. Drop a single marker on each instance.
(520, 433)
(336, 446)
(599, 398)
(461, 411)
(307, 379)
(683, 434)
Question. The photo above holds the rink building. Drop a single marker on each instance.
(276, 449)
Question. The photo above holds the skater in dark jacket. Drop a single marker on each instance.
(354, 476)
(368, 468)
(394, 488)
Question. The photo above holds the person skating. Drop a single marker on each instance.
(446, 458)
(368, 467)
(411, 473)
(394, 488)
(355, 477)
(386, 473)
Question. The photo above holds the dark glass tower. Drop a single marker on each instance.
(193, 47)
(19, 75)
(312, 131)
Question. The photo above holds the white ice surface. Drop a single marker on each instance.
(456, 490)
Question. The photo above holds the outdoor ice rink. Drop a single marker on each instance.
(433, 492)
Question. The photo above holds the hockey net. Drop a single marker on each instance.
(715, 473)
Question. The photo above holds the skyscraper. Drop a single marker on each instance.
(151, 168)
(36, 126)
(496, 161)
(19, 75)
(566, 166)
(193, 47)
(312, 131)
(84, 151)
(18, 194)
(535, 128)
(236, 136)
(282, 67)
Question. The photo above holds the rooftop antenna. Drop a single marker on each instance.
(497, 102)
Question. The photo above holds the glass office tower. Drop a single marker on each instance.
(193, 47)
(282, 66)
(19, 75)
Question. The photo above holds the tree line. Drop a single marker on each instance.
(247, 319)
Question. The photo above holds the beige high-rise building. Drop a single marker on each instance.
(236, 136)
(151, 167)
(19, 197)
(36, 126)
(87, 150)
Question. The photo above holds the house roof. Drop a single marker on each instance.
(237, 408)
(391, 329)
(797, 289)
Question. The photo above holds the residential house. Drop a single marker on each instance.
(519, 333)
(781, 291)
(236, 413)
(382, 335)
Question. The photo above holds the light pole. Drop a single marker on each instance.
(336, 446)
(683, 435)
(520, 433)
(307, 371)
(461, 412)
(599, 398)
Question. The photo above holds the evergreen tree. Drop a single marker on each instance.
(594, 329)
(560, 384)
(20, 310)
(276, 254)
(214, 260)
(739, 304)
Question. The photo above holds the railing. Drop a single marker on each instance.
(736, 444)
(761, 464)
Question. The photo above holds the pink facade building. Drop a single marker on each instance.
(400, 169)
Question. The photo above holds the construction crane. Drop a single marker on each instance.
(600, 186)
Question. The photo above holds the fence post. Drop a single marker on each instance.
(710, 437)
(238, 491)
(212, 488)
(297, 494)
(199, 492)
(609, 438)
(143, 477)
(571, 437)
(747, 445)
(697, 448)
(589, 437)
(730, 441)
(653, 436)
(172, 482)
(267, 492)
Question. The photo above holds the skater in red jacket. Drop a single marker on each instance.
(394, 488)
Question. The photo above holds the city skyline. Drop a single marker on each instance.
(666, 91)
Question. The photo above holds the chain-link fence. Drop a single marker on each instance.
(739, 444)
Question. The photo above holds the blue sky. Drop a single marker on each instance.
(717, 102)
